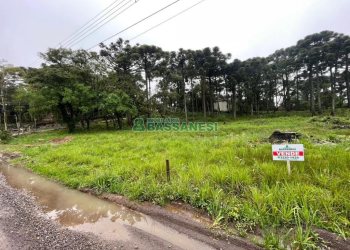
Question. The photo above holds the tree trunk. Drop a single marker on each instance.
(129, 120)
(106, 121)
(347, 79)
(87, 123)
(146, 76)
(227, 98)
(218, 100)
(192, 97)
(287, 94)
(3, 108)
(333, 89)
(312, 92)
(203, 98)
(184, 95)
(146, 88)
(149, 87)
(120, 122)
(17, 124)
(270, 97)
(71, 126)
(68, 119)
(297, 90)
(318, 91)
(284, 93)
(234, 104)
(211, 96)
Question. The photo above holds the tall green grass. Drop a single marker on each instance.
(229, 173)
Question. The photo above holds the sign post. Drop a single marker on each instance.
(288, 167)
(288, 152)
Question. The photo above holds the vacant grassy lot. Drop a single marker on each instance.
(229, 173)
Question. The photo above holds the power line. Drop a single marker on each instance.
(86, 25)
(94, 23)
(167, 20)
(94, 29)
(36, 61)
(140, 21)
(79, 30)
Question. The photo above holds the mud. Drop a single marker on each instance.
(182, 218)
(83, 212)
(333, 241)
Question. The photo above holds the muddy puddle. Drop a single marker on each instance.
(86, 213)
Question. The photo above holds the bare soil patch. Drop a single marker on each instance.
(63, 140)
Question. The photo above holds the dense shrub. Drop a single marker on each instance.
(5, 136)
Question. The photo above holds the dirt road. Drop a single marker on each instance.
(35, 218)
(23, 226)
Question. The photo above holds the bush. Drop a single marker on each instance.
(5, 136)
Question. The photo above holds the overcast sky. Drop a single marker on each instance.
(244, 28)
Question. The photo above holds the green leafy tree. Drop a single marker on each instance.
(66, 79)
(115, 106)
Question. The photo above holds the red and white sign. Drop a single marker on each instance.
(288, 152)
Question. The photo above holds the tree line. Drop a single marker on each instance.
(123, 81)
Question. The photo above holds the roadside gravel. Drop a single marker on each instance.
(23, 226)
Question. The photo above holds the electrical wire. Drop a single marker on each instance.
(136, 23)
(167, 20)
(81, 27)
(93, 28)
(85, 26)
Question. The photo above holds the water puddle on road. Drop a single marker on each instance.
(86, 213)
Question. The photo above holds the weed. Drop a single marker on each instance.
(5, 136)
(229, 173)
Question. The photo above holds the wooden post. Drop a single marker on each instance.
(167, 170)
(288, 162)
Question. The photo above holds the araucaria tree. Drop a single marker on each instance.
(123, 81)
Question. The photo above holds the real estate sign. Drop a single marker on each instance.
(288, 152)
